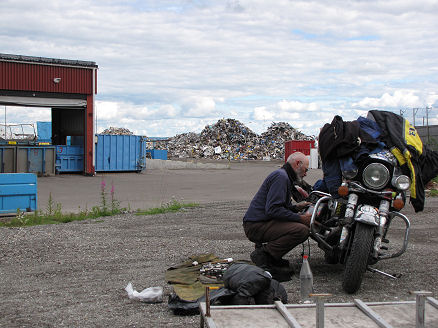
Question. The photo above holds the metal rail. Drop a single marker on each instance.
(365, 307)
(291, 321)
(372, 314)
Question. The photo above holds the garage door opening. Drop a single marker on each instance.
(59, 91)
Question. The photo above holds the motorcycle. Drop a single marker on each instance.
(351, 229)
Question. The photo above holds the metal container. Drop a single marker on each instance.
(7, 157)
(157, 153)
(18, 191)
(302, 146)
(69, 158)
(119, 153)
(39, 160)
(44, 132)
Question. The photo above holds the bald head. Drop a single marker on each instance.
(299, 163)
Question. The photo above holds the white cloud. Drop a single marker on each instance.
(198, 107)
(107, 110)
(399, 99)
(284, 110)
(297, 106)
(262, 114)
(198, 61)
(23, 115)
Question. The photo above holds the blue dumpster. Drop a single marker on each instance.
(69, 158)
(119, 153)
(36, 159)
(44, 132)
(7, 158)
(157, 153)
(18, 191)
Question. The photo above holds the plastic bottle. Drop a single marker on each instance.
(306, 280)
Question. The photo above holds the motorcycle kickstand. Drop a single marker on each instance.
(382, 273)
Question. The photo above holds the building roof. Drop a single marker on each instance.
(47, 61)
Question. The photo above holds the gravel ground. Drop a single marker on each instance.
(74, 275)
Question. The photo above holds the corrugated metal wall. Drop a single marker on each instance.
(37, 77)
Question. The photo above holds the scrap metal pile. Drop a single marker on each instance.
(277, 134)
(230, 139)
(118, 131)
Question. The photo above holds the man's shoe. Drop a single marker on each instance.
(280, 263)
(260, 258)
(281, 274)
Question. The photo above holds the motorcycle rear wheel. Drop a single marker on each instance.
(357, 260)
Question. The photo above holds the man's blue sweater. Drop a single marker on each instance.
(273, 200)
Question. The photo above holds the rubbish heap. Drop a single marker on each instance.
(230, 139)
(183, 145)
(118, 131)
(277, 134)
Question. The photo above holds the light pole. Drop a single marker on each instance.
(427, 124)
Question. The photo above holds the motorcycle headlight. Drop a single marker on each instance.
(401, 182)
(375, 175)
(349, 174)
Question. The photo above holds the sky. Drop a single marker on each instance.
(170, 67)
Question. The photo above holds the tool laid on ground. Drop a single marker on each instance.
(392, 276)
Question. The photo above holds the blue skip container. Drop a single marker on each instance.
(18, 191)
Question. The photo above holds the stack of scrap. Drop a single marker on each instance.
(232, 140)
(118, 131)
(277, 134)
(183, 145)
(229, 139)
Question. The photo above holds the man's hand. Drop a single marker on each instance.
(305, 218)
(303, 193)
(302, 205)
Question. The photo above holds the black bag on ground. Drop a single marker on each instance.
(246, 279)
(275, 292)
(183, 307)
(245, 284)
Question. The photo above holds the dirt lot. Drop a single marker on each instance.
(74, 275)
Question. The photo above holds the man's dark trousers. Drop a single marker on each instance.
(280, 236)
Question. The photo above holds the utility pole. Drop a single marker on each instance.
(427, 124)
(402, 112)
(414, 112)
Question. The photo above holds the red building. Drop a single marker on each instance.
(66, 86)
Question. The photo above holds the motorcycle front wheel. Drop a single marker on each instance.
(357, 260)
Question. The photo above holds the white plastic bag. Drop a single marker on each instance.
(148, 295)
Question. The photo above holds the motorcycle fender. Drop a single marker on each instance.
(367, 214)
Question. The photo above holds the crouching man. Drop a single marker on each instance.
(273, 223)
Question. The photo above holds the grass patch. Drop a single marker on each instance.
(53, 212)
(39, 218)
(433, 193)
(172, 206)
